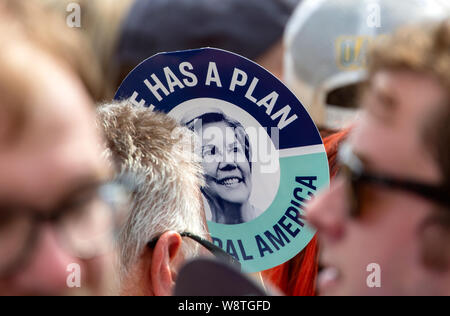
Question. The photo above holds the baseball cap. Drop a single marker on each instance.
(326, 42)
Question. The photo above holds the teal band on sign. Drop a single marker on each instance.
(241, 239)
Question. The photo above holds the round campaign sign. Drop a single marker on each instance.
(262, 155)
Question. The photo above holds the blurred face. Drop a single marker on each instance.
(227, 170)
(388, 141)
(53, 159)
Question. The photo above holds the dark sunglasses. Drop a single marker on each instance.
(352, 169)
(215, 250)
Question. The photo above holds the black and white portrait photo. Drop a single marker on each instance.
(226, 161)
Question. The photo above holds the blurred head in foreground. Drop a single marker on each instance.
(384, 225)
(251, 28)
(53, 221)
(165, 179)
(326, 43)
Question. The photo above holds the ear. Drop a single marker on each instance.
(163, 275)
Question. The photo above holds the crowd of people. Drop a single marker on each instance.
(116, 190)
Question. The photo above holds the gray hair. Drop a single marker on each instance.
(166, 177)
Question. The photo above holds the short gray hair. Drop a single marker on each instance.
(166, 177)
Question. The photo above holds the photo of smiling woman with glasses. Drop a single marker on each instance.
(226, 160)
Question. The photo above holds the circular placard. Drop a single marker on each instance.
(262, 155)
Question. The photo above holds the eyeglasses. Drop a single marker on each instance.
(352, 169)
(215, 250)
(85, 224)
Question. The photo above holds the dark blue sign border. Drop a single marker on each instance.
(302, 132)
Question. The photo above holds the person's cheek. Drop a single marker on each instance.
(242, 161)
(209, 168)
(100, 276)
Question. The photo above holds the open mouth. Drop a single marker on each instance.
(229, 181)
(328, 279)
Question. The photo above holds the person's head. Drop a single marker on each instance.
(326, 43)
(165, 181)
(50, 160)
(251, 28)
(56, 37)
(99, 21)
(226, 157)
(390, 205)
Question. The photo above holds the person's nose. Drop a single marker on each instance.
(227, 166)
(46, 271)
(327, 212)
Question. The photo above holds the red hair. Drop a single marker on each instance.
(297, 277)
